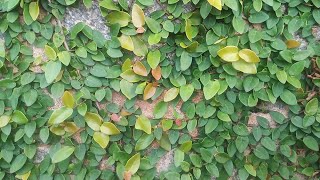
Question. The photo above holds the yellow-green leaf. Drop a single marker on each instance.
(4, 120)
(50, 53)
(34, 10)
(67, 99)
(60, 115)
(211, 89)
(216, 3)
(118, 17)
(140, 48)
(57, 130)
(19, 117)
(245, 67)
(140, 69)
(126, 65)
(93, 120)
(138, 18)
(143, 123)
(229, 53)
(249, 56)
(64, 57)
(62, 154)
(109, 129)
(133, 164)
(149, 91)
(130, 76)
(171, 94)
(101, 139)
(126, 42)
(186, 146)
(153, 58)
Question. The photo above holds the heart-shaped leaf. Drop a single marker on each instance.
(127, 89)
(211, 89)
(68, 100)
(93, 120)
(186, 91)
(138, 18)
(140, 69)
(171, 94)
(109, 129)
(60, 115)
(62, 154)
(101, 138)
(229, 53)
(153, 58)
(19, 118)
(149, 91)
(133, 164)
(143, 123)
(156, 73)
(126, 42)
(249, 56)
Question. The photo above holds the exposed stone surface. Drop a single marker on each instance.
(90, 16)
(57, 101)
(303, 42)
(316, 32)
(165, 162)
(42, 151)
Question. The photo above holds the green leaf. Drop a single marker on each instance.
(213, 170)
(93, 120)
(60, 115)
(211, 89)
(133, 164)
(222, 157)
(312, 107)
(196, 160)
(288, 97)
(258, 17)
(239, 24)
(34, 10)
(223, 116)
(261, 153)
(178, 157)
(160, 109)
(186, 91)
(153, 58)
(250, 169)
(109, 129)
(50, 52)
(268, 143)
(140, 48)
(19, 118)
(143, 123)
(186, 146)
(153, 25)
(18, 163)
(171, 94)
(127, 89)
(101, 138)
(52, 71)
(62, 154)
(311, 143)
(185, 61)
(242, 143)
(64, 57)
(144, 141)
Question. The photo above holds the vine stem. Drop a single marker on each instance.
(60, 25)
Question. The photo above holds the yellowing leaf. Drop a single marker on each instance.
(249, 56)
(34, 10)
(138, 18)
(156, 73)
(126, 65)
(4, 120)
(133, 164)
(118, 17)
(130, 76)
(60, 115)
(229, 53)
(126, 42)
(57, 130)
(101, 139)
(50, 53)
(171, 94)
(140, 69)
(109, 129)
(24, 176)
(291, 43)
(245, 67)
(149, 91)
(67, 99)
(216, 3)
(143, 123)
(140, 48)
(188, 30)
(70, 127)
(93, 120)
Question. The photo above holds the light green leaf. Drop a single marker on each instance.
(93, 120)
(101, 138)
(211, 89)
(62, 154)
(133, 164)
(143, 123)
(19, 117)
(60, 115)
(34, 10)
(109, 129)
